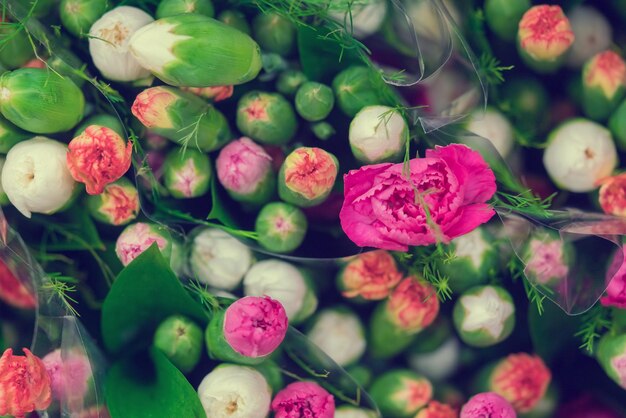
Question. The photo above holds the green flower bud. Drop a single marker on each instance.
(502, 15)
(266, 117)
(307, 176)
(603, 81)
(617, 125)
(101, 119)
(196, 51)
(10, 135)
(484, 316)
(15, 50)
(378, 134)
(281, 227)
(474, 260)
(33, 98)
(77, 16)
(528, 101)
(612, 357)
(314, 101)
(323, 130)
(182, 117)
(401, 393)
(180, 339)
(236, 19)
(289, 81)
(355, 88)
(274, 33)
(169, 8)
(118, 204)
(187, 173)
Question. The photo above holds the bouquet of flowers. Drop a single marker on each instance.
(312, 208)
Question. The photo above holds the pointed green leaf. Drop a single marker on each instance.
(147, 385)
(145, 293)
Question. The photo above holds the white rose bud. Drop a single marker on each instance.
(440, 363)
(218, 259)
(494, 126)
(35, 176)
(285, 283)
(108, 43)
(4, 200)
(362, 17)
(353, 412)
(579, 154)
(592, 34)
(232, 391)
(378, 134)
(339, 333)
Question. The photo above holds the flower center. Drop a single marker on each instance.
(5, 94)
(256, 110)
(72, 7)
(115, 35)
(589, 153)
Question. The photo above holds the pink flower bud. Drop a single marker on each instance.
(255, 326)
(613, 195)
(545, 32)
(242, 165)
(616, 289)
(413, 305)
(24, 384)
(522, 380)
(69, 376)
(151, 107)
(606, 70)
(487, 404)
(138, 237)
(13, 291)
(118, 204)
(438, 410)
(303, 399)
(216, 94)
(307, 176)
(371, 275)
(97, 157)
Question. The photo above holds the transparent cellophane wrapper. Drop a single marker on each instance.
(56, 329)
(432, 61)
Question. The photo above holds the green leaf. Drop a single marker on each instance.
(144, 294)
(218, 209)
(147, 385)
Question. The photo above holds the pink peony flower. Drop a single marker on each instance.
(303, 399)
(487, 404)
(442, 199)
(13, 291)
(437, 410)
(151, 107)
(606, 70)
(216, 93)
(69, 377)
(616, 290)
(242, 165)
(255, 326)
(24, 384)
(97, 157)
(613, 195)
(522, 380)
(370, 275)
(413, 305)
(545, 33)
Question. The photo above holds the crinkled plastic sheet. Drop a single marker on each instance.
(569, 255)
(56, 329)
